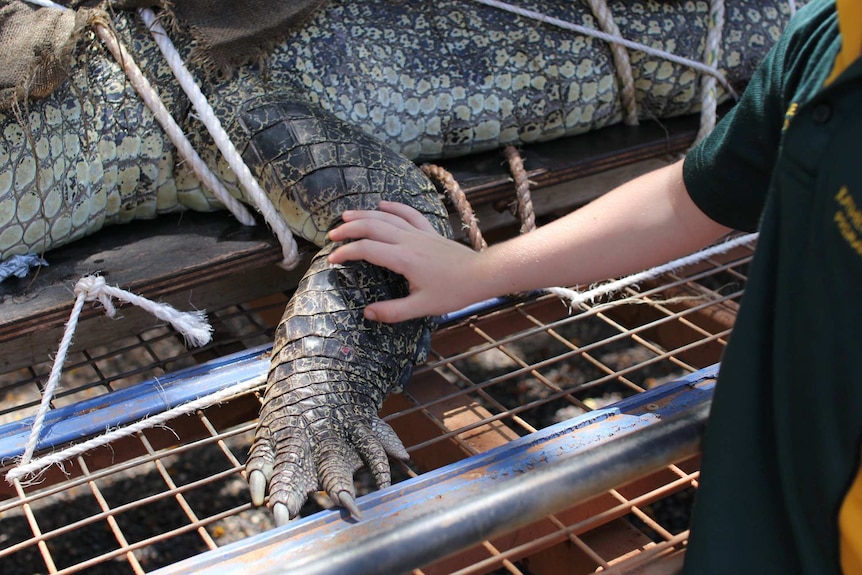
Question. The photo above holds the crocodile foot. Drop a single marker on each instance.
(295, 454)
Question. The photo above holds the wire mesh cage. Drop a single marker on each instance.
(496, 376)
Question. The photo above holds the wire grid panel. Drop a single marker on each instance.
(170, 493)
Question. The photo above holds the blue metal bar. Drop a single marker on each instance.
(93, 416)
(439, 513)
(486, 306)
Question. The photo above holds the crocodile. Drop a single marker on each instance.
(335, 117)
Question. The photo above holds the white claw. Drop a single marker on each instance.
(346, 500)
(281, 514)
(257, 487)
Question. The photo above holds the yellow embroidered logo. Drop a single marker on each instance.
(848, 218)
(788, 115)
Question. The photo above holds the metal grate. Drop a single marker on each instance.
(172, 493)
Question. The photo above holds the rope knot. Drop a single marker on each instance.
(94, 288)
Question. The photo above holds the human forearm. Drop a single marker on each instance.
(645, 222)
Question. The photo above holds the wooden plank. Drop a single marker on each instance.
(155, 258)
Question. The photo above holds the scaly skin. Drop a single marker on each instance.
(429, 79)
(331, 371)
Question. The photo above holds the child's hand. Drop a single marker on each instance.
(439, 271)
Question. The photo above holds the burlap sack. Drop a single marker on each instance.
(36, 48)
(37, 45)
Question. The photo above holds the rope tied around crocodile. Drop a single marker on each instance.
(459, 200)
(151, 98)
(609, 32)
(709, 100)
(622, 64)
(101, 25)
(258, 197)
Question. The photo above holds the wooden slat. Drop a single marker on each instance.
(156, 258)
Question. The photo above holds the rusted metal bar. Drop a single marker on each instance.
(424, 519)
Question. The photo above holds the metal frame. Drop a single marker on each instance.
(439, 513)
(165, 495)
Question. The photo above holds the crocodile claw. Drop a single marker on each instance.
(330, 372)
(257, 481)
(346, 500)
(304, 456)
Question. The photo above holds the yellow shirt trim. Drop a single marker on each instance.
(850, 526)
(850, 26)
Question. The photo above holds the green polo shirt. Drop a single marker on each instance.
(782, 447)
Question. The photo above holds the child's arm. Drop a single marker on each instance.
(643, 223)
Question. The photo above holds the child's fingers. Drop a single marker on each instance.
(408, 214)
(393, 310)
(374, 252)
(376, 229)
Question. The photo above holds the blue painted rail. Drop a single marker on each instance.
(94, 416)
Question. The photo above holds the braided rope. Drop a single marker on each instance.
(574, 298)
(622, 64)
(152, 100)
(611, 39)
(34, 467)
(207, 116)
(193, 325)
(522, 189)
(709, 102)
(459, 198)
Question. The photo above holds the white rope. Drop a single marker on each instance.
(174, 132)
(192, 325)
(32, 468)
(574, 298)
(206, 114)
(151, 99)
(47, 4)
(694, 64)
(622, 64)
(709, 102)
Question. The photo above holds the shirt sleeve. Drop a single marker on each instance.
(727, 175)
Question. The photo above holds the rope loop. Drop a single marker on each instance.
(462, 204)
(522, 189)
(256, 195)
(622, 63)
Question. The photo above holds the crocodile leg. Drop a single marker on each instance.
(331, 371)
